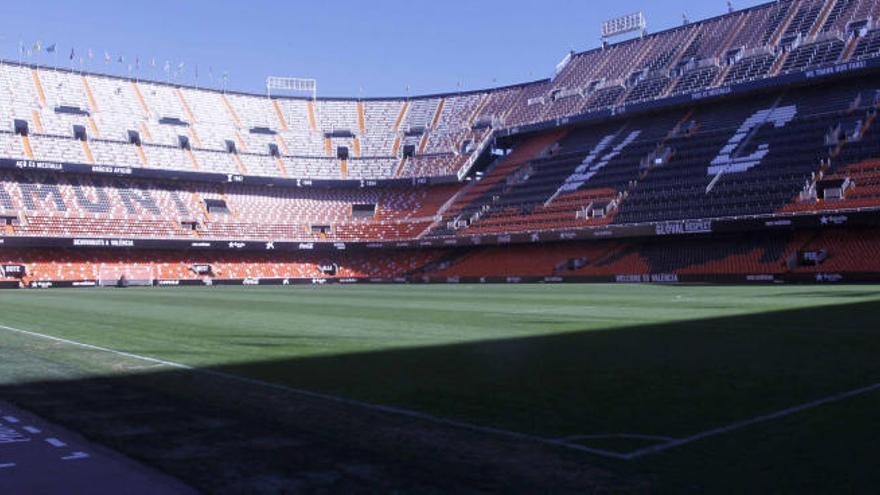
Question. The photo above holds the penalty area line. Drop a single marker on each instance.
(398, 411)
(370, 406)
(763, 418)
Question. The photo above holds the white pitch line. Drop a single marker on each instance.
(32, 429)
(7, 465)
(75, 456)
(10, 419)
(55, 442)
(469, 426)
(752, 421)
(635, 436)
(332, 398)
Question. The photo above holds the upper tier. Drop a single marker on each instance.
(142, 124)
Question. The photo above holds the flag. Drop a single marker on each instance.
(153, 62)
(167, 67)
(121, 59)
(72, 54)
(106, 57)
(137, 62)
(180, 66)
(37, 46)
(91, 54)
(50, 48)
(21, 47)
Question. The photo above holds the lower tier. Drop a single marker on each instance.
(801, 255)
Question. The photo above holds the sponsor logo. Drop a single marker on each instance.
(306, 245)
(168, 282)
(348, 280)
(535, 237)
(565, 236)
(250, 281)
(234, 178)
(687, 227)
(6, 270)
(340, 246)
(85, 283)
(102, 169)
(701, 95)
(602, 233)
(103, 242)
(41, 285)
(453, 280)
(777, 223)
(834, 220)
(270, 246)
(647, 278)
(503, 239)
(553, 279)
(450, 242)
(319, 281)
(513, 280)
(200, 244)
(760, 278)
(31, 164)
(829, 277)
(236, 245)
(837, 69)
(476, 240)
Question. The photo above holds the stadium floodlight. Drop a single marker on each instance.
(291, 84)
(623, 25)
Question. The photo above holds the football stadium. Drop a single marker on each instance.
(653, 271)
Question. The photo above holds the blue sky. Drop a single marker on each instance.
(369, 48)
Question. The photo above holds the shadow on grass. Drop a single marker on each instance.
(671, 379)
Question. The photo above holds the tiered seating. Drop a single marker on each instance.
(868, 46)
(476, 197)
(71, 265)
(804, 18)
(498, 104)
(696, 79)
(747, 255)
(750, 68)
(379, 133)
(848, 251)
(739, 47)
(840, 15)
(647, 89)
(814, 55)
(453, 126)
(59, 206)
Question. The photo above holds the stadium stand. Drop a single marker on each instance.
(759, 114)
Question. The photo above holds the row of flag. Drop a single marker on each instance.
(168, 67)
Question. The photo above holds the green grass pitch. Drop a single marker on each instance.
(613, 368)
